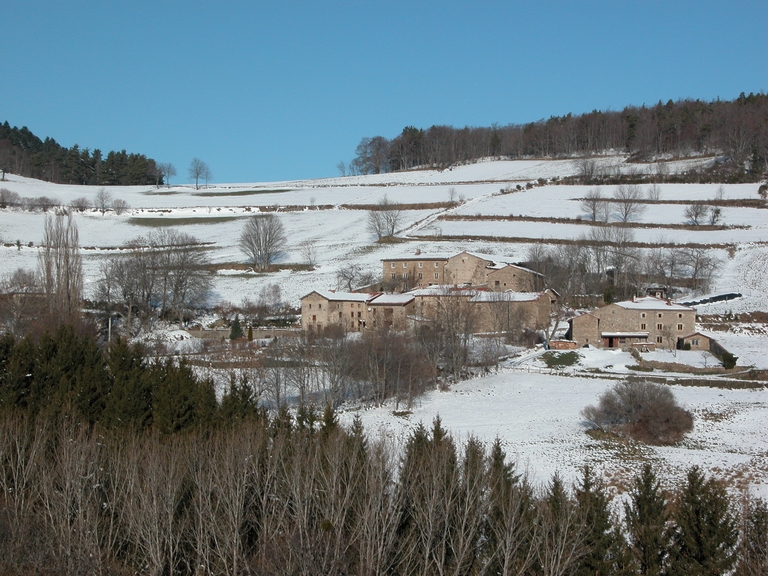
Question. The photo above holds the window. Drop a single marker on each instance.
(695, 342)
(436, 264)
(319, 306)
(642, 315)
(679, 326)
(659, 339)
(436, 275)
(314, 318)
(420, 275)
(643, 326)
(405, 264)
(339, 315)
(659, 327)
(659, 314)
(679, 315)
(310, 306)
(352, 314)
(421, 264)
(393, 274)
(393, 265)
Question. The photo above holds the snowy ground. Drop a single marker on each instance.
(538, 418)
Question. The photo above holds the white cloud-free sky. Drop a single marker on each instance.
(285, 90)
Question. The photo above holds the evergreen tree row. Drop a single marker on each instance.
(66, 375)
(303, 495)
(23, 153)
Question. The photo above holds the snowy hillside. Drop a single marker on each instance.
(536, 415)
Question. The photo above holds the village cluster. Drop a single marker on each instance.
(499, 296)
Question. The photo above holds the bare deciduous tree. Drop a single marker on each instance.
(103, 200)
(654, 192)
(627, 202)
(167, 170)
(592, 203)
(384, 219)
(696, 212)
(309, 252)
(60, 267)
(197, 170)
(262, 240)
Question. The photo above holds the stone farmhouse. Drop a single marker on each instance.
(485, 310)
(642, 323)
(354, 311)
(496, 273)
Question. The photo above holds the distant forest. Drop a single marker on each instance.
(23, 153)
(736, 130)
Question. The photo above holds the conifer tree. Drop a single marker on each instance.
(236, 331)
(705, 533)
(646, 517)
(605, 548)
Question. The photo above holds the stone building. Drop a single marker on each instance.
(497, 273)
(355, 312)
(634, 323)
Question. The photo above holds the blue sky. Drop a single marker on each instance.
(285, 90)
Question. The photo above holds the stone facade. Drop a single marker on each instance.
(355, 312)
(462, 269)
(633, 323)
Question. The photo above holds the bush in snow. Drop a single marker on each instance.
(641, 410)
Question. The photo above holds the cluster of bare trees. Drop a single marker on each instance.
(306, 496)
(161, 274)
(103, 201)
(198, 170)
(735, 128)
(625, 205)
(608, 261)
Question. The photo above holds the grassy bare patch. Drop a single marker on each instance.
(155, 222)
(243, 192)
(583, 222)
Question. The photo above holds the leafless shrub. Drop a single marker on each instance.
(120, 206)
(642, 410)
(45, 203)
(8, 198)
(80, 204)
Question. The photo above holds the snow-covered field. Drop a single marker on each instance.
(537, 415)
(538, 418)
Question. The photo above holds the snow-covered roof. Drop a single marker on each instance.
(332, 296)
(417, 257)
(391, 300)
(506, 296)
(443, 290)
(651, 303)
(624, 334)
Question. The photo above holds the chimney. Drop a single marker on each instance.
(418, 251)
